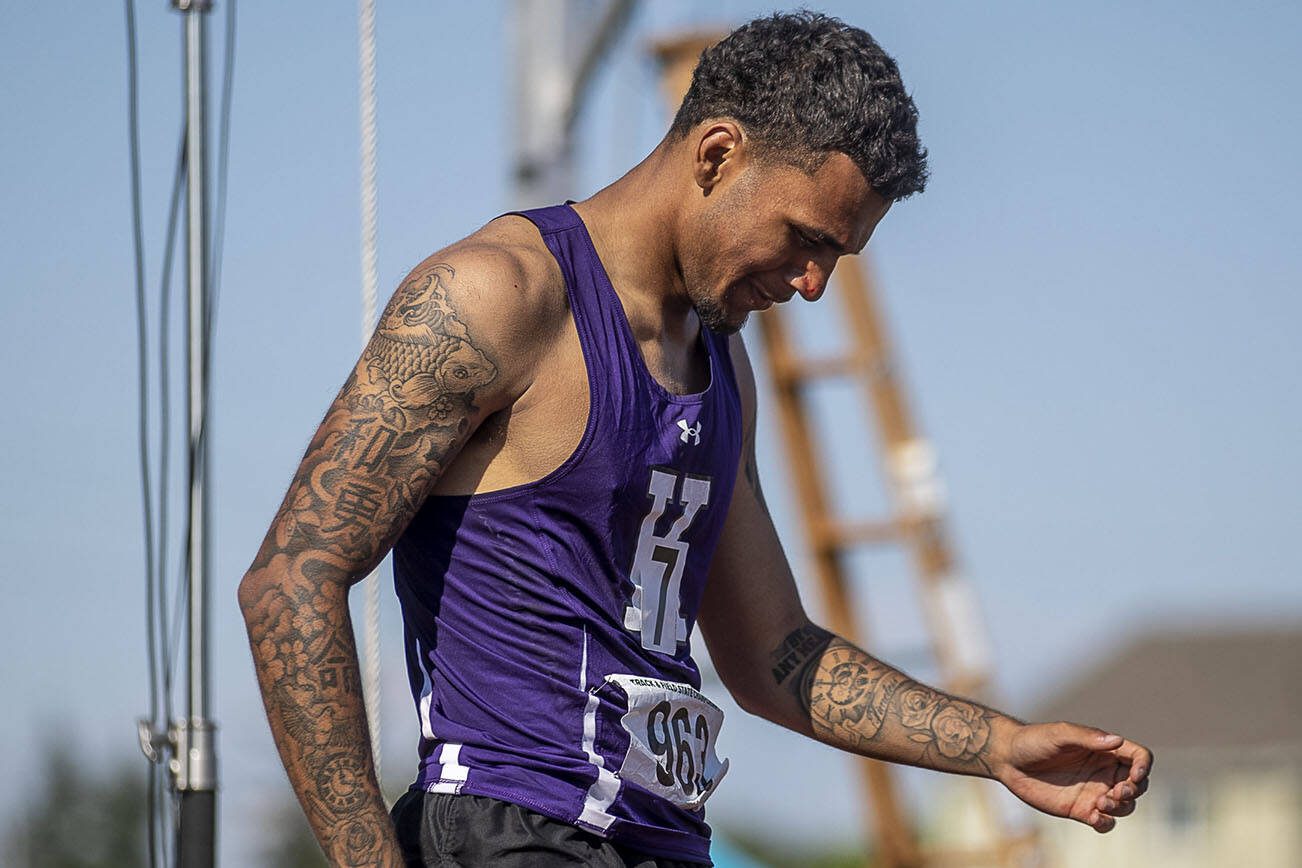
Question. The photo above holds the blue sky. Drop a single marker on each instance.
(1095, 306)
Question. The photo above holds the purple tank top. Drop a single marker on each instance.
(547, 626)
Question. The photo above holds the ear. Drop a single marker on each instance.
(720, 151)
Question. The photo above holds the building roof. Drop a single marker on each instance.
(1206, 691)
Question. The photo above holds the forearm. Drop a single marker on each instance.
(841, 695)
(406, 410)
(306, 660)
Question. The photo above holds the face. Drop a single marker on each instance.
(766, 232)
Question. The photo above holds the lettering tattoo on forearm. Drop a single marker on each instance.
(795, 661)
(859, 703)
(397, 421)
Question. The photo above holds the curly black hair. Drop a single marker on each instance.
(804, 85)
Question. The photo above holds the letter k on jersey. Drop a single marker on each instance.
(657, 573)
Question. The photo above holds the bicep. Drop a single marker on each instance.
(431, 372)
(751, 603)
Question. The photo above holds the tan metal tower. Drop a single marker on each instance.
(916, 522)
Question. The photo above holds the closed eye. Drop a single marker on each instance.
(805, 239)
(811, 238)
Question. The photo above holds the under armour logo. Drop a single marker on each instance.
(693, 432)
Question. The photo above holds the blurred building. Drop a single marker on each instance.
(1223, 714)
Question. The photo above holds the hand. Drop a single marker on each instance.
(1075, 771)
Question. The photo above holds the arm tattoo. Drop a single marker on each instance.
(849, 697)
(399, 419)
(858, 703)
(795, 662)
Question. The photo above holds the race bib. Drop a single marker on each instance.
(672, 730)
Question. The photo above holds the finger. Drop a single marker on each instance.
(1141, 760)
(1136, 756)
(1116, 808)
(1089, 737)
(1128, 790)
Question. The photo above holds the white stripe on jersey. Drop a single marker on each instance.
(601, 795)
(452, 774)
(426, 694)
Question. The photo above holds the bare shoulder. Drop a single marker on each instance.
(492, 303)
(511, 268)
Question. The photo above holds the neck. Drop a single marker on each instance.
(633, 223)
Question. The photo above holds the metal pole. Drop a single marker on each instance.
(195, 762)
(542, 44)
(558, 48)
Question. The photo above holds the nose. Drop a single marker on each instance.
(810, 278)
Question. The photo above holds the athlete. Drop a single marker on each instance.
(553, 428)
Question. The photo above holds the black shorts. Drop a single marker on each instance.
(438, 830)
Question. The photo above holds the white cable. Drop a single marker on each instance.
(371, 586)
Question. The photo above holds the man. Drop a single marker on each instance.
(553, 426)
